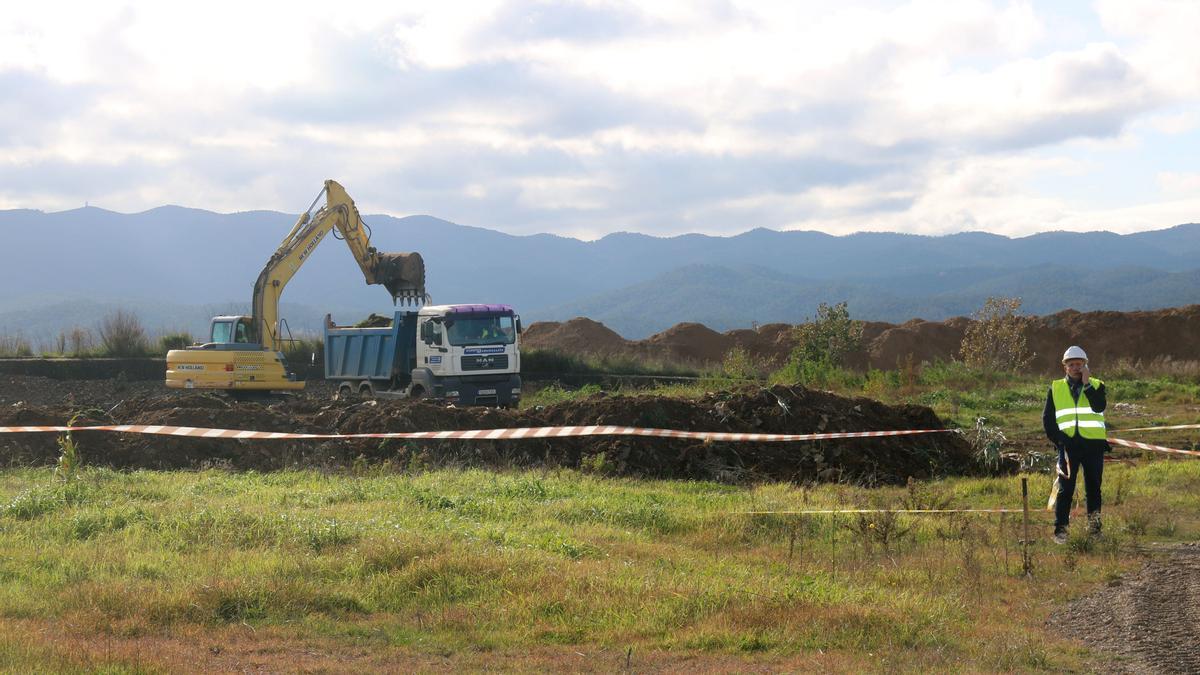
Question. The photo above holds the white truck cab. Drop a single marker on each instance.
(469, 354)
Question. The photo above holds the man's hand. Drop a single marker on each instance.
(1086, 374)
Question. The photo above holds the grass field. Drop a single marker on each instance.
(149, 571)
(443, 569)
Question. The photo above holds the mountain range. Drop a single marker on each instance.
(177, 266)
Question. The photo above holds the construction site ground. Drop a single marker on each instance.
(30, 401)
(1147, 619)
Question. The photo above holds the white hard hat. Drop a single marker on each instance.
(1074, 352)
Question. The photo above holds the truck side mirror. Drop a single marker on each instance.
(519, 329)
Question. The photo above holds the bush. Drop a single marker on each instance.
(738, 364)
(822, 346)
(122, 334)
(996, 341)
(174, 341)
(830, 337)
(77, 342)
(14, 345)
(304, 350)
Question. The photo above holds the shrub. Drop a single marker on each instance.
(122, 334)
(738, 364)
(822, 346)
(996, 340)
(14, 345)
(830, 337)
(171, 341)
(304, 350)
(79, 341)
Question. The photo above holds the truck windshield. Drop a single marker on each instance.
(482, 330)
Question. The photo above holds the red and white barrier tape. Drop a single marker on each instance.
(826, 511)
(1170, 428)
(477, 434)
(1147, 446)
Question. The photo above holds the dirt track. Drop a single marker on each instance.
(29, 401)
(1150, 620)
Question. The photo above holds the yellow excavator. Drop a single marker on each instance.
(244, 354)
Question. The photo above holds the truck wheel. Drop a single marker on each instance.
(344, 392)
(366, 390)
(416, 391)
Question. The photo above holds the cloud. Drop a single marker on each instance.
(590, 117)
(32, 105)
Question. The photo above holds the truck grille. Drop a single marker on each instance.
(488, 362)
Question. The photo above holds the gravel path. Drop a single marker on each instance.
(1151, 620)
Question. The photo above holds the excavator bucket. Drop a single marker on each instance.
(403, 274)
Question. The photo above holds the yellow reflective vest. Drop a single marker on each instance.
(1076, 416)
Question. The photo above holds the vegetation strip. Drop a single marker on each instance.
(479, 434)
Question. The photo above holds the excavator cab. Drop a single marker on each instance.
(232, 330)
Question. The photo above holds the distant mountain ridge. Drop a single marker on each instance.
(172, 264)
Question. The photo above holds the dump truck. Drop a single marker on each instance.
(244, 354)
(462, 354)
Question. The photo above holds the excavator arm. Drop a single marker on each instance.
(403, 274)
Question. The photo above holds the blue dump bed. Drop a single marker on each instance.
(375, 354)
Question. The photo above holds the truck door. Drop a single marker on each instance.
(431, 347)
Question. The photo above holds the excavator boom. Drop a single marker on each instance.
(402, 274)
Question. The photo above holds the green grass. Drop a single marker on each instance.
(449, 561)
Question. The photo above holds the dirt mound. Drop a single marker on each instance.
(776, 410)
(374, 320)
(1108, 337)
(691, 342)
(578, 336)
(1150, 618)
(926, 341)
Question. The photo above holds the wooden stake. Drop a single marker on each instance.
(1028, 562)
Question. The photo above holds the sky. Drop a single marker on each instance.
(586, 118)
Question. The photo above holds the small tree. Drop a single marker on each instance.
(830, 337)
(822, 346)
(122, 334)
(996, 340)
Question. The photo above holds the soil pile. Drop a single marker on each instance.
(579, 336)
(1151, 618)
(925, 341)
(690, 342)
(1109, 337)
(776, 410)
(374, 320)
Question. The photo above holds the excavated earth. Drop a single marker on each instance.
(1165, 335)
(1148, 620)
(37, 401)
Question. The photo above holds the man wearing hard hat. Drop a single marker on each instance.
(1074, 423)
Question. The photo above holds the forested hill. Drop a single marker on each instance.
(176, 265)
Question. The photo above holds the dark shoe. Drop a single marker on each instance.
(1060, 535)
(1094, 524)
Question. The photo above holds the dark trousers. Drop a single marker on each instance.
(1091, 461)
